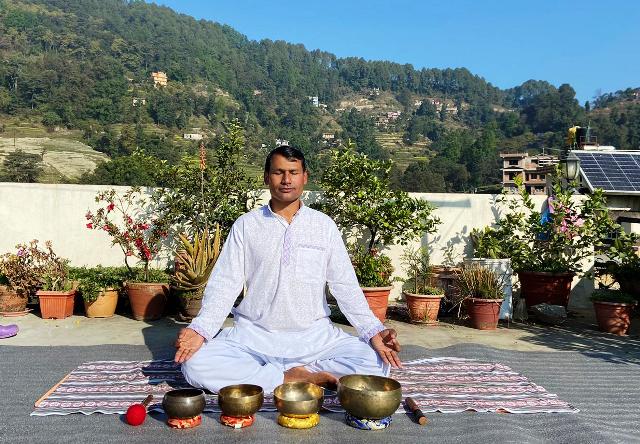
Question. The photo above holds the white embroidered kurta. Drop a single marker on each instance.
(285, 268)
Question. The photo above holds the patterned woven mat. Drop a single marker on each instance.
(446, 385)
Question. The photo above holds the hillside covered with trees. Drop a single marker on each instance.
(86, 65)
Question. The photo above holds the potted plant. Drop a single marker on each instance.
(613, 310)
(488, 252)
(624, 262)
(193, 265)
(373, 271)
(29, 270)
(56, 294)
(99, 288)
(139, 235)
(357, 194)
(18, 280)
(547, 249)
(480, 290)
(423, 300)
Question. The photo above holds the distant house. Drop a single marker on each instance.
(314, 101)
(280, 142)
(138, 101)
(417, 103)
(257, 92)
(159, 78)
(532, 169)
(328, 136)
(192, 136)
(393, 115)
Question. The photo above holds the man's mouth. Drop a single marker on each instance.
(286, 190)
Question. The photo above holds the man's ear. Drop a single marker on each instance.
(306, 176)
(266, 178)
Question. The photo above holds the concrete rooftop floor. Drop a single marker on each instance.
(579, 333)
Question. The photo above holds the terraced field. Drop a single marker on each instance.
(64, 159)
(402, 154)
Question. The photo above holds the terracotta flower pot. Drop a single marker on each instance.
(378, 300)
(148, 300)
(10, 301)
(541, 287)
(484, 313)
(104, 306)
(423, 308)
(613, 317)
(56, 304)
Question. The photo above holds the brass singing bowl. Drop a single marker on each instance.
(298, 398)
(183, 403)
(368, 396)
(240, 399)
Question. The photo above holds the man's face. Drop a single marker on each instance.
(286, 179)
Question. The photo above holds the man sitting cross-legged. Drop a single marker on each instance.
(283, 254)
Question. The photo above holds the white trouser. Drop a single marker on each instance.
(223, 361)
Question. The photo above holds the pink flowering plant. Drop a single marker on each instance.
(558, 239)
(137, 233)
(31, 268)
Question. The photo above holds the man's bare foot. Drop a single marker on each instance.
(301, 374)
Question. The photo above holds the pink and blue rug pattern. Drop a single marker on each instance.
(446, 385)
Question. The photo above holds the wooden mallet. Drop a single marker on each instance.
(136, 413)
(417, 413)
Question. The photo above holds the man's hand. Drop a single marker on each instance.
(188, 343)
(387, 346)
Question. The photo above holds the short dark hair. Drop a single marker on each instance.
(289, 152)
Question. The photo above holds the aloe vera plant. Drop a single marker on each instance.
(194, 261)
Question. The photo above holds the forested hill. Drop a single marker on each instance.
(87, 64)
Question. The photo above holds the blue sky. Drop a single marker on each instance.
(592, 45)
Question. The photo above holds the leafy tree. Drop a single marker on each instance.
(357, 194)
(360, 129)
(207, 188)
(21, 167)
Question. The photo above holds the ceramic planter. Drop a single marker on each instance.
(378, 300)
(104, 306)
(148, 300)
(56, 304)
(543, 287)
(423, 308)
(613, 317)
(484, 313)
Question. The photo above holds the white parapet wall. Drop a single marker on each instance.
(56, 212)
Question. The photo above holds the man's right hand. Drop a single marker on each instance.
(188, 343)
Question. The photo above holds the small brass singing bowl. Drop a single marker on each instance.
(183, 403)
(368, 396)
(298, 398)
(240, 399)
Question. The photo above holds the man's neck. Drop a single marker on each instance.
(285, 209)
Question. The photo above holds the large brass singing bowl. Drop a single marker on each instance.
(240, 399)
(183, 403)
(298, 398)
(368, 396)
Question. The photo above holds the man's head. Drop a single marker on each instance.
(285, 172)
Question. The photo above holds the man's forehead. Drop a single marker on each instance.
(281, 162)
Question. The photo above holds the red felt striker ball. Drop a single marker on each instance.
(136, 414)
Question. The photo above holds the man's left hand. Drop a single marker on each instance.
(387, 346)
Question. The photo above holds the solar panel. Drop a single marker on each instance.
(611, 171)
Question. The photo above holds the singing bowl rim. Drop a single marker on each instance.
(183, 403)
(247, 404)
(369, 403)
(299, 407)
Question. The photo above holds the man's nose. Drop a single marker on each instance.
(286, 178)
